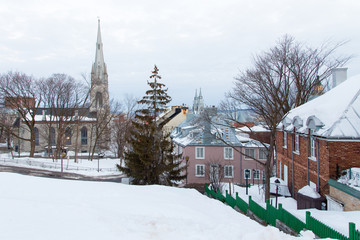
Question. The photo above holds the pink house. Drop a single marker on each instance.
(207, 148)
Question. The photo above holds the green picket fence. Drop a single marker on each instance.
(321, 229)
(257, 209)
(271, 214)
(230, 200)
(241, 204)
(290, 220)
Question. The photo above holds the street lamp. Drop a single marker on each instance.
(247, 175)
(277, 184)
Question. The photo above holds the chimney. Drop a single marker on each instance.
(339, 75)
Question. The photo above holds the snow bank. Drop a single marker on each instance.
(42, 208)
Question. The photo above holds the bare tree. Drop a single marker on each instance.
(100, 133)
(215, 174)
(22, 94)
(62, 97)
(281, 78)
(122, 126)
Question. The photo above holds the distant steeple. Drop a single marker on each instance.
(198, 105)
(99, 95)
(99, 67)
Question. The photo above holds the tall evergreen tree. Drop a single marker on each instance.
(150, 158)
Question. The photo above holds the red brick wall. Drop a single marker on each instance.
(345, 154)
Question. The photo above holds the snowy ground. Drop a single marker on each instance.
(97, 167)
(337, 220)
(42, 208)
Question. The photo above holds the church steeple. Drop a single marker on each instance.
(99, 95)
(99, 67)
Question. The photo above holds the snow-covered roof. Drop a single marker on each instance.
(256, 128)
(309, 191)
(194, 132)
(336, 114)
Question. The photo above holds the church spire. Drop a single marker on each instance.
(99, 67)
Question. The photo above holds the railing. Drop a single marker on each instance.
(290, 220)
(241, 204)
(56, 165)
(321, 229)
(271, 214)
(257, 209)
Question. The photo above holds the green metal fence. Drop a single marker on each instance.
(290, 220)
(230, 200)
(257, 209)
(321, 229)
(241, 204)
(271, 214)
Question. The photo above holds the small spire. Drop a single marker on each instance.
(200, 95)
(195, 93)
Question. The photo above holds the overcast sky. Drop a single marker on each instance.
(195, 43)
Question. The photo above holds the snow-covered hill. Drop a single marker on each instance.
(42, 208)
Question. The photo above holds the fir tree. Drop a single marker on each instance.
(150, 158)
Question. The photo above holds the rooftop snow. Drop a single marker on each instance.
(336, 114)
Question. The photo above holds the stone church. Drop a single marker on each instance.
(81, 132)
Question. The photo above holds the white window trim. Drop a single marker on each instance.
(232, 153)
(297, 136)
(262, 149)
(232, 171)
(246, 157)
(196, 151)
(312, 148)
(285, 140)
(196, 172)
(257, 170)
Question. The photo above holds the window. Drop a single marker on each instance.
(36, 132)
(228, 153)
(312, 147)
(285, 139)
(296, 143)
(200, 153)
(256, 173)
(229, 171)
(200, 170)
(249, 153)
(249, 173)
(84, 136)
(68, 136)
(52, 136)
(99, 100)
(262, 154)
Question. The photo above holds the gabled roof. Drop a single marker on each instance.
(196, 132)
(336, 114)
(193, 132)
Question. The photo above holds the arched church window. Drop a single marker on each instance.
(68, 136)
(84, 136)
(36, 132)
(52, 136)
(99, 100)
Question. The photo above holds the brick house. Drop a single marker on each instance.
(320, 138)
(204, 147)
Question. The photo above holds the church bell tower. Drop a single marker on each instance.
(99, 93)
